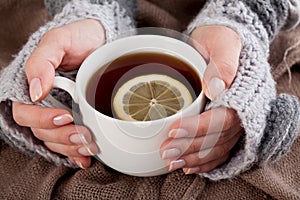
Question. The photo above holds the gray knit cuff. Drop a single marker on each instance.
(253, 89)
(13, 81)
(281, 130)
(294, 15)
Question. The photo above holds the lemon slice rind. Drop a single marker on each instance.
(137, 93)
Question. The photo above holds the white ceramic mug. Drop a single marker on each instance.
(126, 146)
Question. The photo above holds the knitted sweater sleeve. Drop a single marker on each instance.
(124, 8)
(270, 123)
(13, 82)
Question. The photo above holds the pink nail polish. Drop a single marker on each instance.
(62, 120)
(176, 164)
(78, 138)
(171, 153)
(35, 89)
(215, 87)
(192, 170)
(85, 151)
(178, 133)
(79, 164)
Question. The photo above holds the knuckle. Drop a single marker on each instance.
(44, 119)
(230, 118)
(187, 145)
(52, 33)
(192, 160)
(37, 133)
(193, 148)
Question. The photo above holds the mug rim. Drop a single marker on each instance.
(86, 63)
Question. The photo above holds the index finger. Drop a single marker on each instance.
(209, 122)
(40, 117)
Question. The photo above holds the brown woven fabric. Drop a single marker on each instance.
(23, 177)
(18, 19)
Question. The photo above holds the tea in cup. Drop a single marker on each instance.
(130, 92)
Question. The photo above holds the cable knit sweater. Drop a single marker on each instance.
(270, 123)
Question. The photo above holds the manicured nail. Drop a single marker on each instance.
(85, 151)
(178, 133)
(35, 89)
(79, 164)
(171, 153)
(192, 170)
(176, 164)
(63, 119)
(215, 87)
(78, 138)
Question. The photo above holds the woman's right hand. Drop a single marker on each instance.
(63, 48)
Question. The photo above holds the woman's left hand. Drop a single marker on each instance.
(200, 143)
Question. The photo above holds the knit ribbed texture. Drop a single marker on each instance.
(253, 90)
(54, 7)
(116, 17)
(13, 79)
(281, 130)
(294, 15)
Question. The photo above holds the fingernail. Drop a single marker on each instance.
(78, 138)
(178, 133)
(79, 164)
(171, 153)
(192, 170)
(62, 119)
(35, 89)
(215, 87)
(176, 164)
(85, 151)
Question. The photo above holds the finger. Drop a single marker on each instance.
(207, 166)
(209, 122)
(223, 58)
(68, 134)
(39, 117)
(208, 155)
(73, 150)
(61, 47)
(83, 162)
(40, 66)
(175, 148)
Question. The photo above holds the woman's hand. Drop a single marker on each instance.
(63, 48)
(200, 143)
(54, 127)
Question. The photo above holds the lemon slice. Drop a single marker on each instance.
(150, 97)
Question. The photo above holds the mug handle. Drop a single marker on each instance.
(67, 85)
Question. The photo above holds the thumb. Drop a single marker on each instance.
(40, 67)
(217, 77)
(221, 69)
(223, 46)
